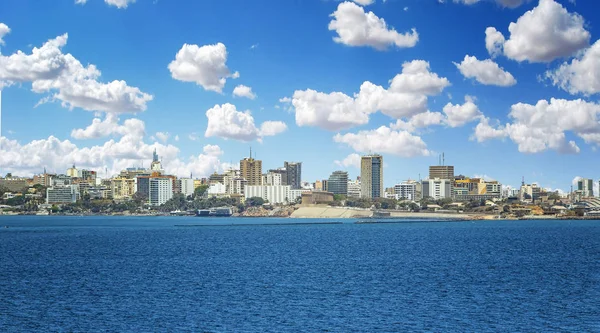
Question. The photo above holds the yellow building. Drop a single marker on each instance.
(122, 188)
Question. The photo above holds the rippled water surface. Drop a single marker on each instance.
(94, 274)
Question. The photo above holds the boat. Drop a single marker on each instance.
(215, 212)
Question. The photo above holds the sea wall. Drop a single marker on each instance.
(330, 212)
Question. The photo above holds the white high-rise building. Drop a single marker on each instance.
(186, 186)
(406, 190)
(437, 188)
(161, 190)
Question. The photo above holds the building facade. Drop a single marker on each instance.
(371, 176)
(62, 194)
(586, 186)
(353, 189)
(122, 188)
(251, 170)
(272, 178)
(441, 172)
(406, 190)
(273, 194)
(338, 183)
(437, 188)
(185, 186)
(294, 174)
(161, 190)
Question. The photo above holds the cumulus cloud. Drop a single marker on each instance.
(494, 42)
(486, 72)
(365, 2)
(385, 140)
(225, 121)
(458, 115)
(74, 85)
(162, 136)
(4, 30)
(244, 91)
(110, 126)
(545, 33)
(355, 27)
(537, 128)
(503, 3)
(405, 97)
(204, 65)
(352, 160)
(115, 155)
(581, 75)
(421, 120)
(119, 3)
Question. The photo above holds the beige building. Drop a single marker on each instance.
(441, 172)
(72, 172)
(122, 188)
(371, 176)
(251, 170)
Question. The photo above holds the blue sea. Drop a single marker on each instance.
(153, 274)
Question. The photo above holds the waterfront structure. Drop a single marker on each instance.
(316, 197)
(273, 194)
(437, 188)
(586, 186)
(294, 174)
(161, 190)
(185, 186)
(371, 176)
(122, 188)
(338, 183)
(406, 190)
(62, 194)
(353, 190)
(251, 170)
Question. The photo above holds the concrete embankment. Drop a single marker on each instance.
(330, 212)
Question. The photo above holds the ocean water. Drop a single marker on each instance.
(116, 274)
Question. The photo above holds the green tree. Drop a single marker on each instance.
(255, 201)
(200, 191)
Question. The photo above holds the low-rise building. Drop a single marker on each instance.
(122, 188)
(353, 189)
(437, 188)
(316, 197)
(406, 190)
(273, 194)
(185, 186)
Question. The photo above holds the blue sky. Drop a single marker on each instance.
(291, 49)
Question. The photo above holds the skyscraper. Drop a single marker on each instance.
(441, 172)
(586, 186)
(338, 182)
(294, 174)
(251, 170)
(371, 176)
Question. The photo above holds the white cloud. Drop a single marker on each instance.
(115, 155)
(352, 160)
(486, 72)
(110, 126)
(458, 115)
(204, 65)
(545, 33)
(49, 70)
(494, 41)
(582, 75)
(364, 2)
(484, 131)
(385, 140)
(543, 126)
(4, 30)
(176, 138)
(503, 3)
(162, 136)
(244, 91)
(355, 27)
(406, 97)
(225, 121)
(80, 2)
(272, 128)
(119, 3)
(421, 120)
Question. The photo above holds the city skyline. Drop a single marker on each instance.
(197, 121)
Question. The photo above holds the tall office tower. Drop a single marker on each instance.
(251, 170)
(586, 186)
(294, 174)
(160, 191)
(441, 172)
(338, 183)
(371, 176)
